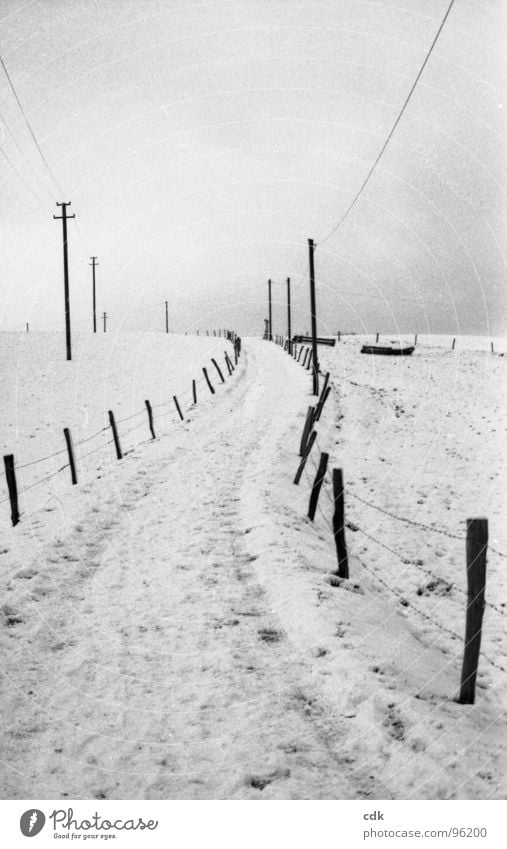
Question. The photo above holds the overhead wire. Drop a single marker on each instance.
(391, 132)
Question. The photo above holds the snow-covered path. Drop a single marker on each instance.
(154, 666)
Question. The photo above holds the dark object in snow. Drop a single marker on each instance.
(388, 350)
(321, 340)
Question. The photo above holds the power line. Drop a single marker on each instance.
(393, 128)
(27, 122)
(25, 157)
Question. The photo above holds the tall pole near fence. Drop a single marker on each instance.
(270, 336)
(167, 317)
(315, 361)
(289, 330)
(64, 217)
(93, 264)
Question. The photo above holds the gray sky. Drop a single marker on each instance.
(203, 143)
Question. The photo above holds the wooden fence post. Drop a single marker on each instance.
(228, 364)
(112, 422)
(453, 344)
(476, 547)
(150, 419)
(317, 484)
(492, 348)
(306, 430)
(309, 363)
(70, 452)
(320, 405)
(10, 474)
(205, 373)
(307, 452)
(218, 370)
(376, 340)
(194, 391)
(321, 401)
(177, 407)
(415, 340)
(304, 358)
(339, 335)
(339, 524)
(300, 352)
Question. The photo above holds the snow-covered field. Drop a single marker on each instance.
(170, 628)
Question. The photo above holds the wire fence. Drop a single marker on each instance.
(13, 495)
(354, 526)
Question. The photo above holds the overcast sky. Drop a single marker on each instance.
(203, 143)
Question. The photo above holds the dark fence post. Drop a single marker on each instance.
(317, 484)
(306, 430)
(10, 474)
(218, 370)
(320, 405)
(150, 419)
(300, 352)
(309, 360)
(304, 458)
(339, 524)
(70, 451)
(476, 547)
(194, 391)
(112, 422)
(208, 381)
(227, 363)
(177, 407)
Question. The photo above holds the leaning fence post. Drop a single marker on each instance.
(218, 370)
(208, 381)
(228, 363)
(476, 547)
(70, 451)
(453, 344)
(177, 407)
(150, 418)
(339, 524)
(300, 352)
(310, 362)
(112, 422)
(306, 430)
(320, 405)
(304, 458)
(194, 392)
(10, 474)
(317, 484)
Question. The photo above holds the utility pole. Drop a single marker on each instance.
(64, 217)
(166, 317)
(315, 360)
(93, 264)
(289, 332)
(104, 317)
(270, 337)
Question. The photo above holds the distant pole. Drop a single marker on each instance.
(104, 317)
(63, 217)
(93, 264)
(315, 361)
(270, 337)
(167, 318)
(27, 327)
(289, 332)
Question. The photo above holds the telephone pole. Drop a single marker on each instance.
(167, 318)
(104, 316)
(64, 217)
(289, 331)
(93, 264)
(315, 360)
(270, 337)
